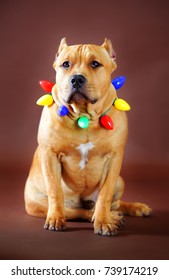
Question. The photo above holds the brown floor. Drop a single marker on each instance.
(22, 236)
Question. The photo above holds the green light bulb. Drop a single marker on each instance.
(83, 122)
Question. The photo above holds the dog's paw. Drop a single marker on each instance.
(139, 210)
(118, 219)
(106, 229)
(108, 226)
(55, 223)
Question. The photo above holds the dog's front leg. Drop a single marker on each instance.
(51, 169)
(105, 222)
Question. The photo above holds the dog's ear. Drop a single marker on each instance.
(109, 48)
(62, 45)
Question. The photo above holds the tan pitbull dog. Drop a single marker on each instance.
(71, 163)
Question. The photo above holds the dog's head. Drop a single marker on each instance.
(83, 73)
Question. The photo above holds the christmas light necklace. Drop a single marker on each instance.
(83, 122)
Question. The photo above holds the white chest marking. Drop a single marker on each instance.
(84, 149)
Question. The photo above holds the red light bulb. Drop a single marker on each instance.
(46, 85)
(106, 122)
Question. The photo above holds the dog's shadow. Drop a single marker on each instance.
(157, 224)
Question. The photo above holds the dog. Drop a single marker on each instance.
(72, 164)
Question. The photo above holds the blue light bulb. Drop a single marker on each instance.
(119, 82)
(63, 111)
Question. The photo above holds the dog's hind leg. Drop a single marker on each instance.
(36, 204)
(78, 213)
(119, 189)
(135, 209)
(128, 208)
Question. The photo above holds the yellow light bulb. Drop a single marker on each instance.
(45, 100)
(121, 105)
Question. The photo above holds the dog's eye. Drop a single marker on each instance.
(66, 64)
(95, 64)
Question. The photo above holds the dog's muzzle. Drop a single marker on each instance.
(78, 91)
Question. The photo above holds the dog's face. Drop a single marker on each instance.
(83, 72)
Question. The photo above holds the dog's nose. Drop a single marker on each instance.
(77, 81)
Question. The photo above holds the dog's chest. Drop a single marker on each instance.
(84, 150)
(83, 165)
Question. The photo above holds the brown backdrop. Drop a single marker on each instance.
(30, 32)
